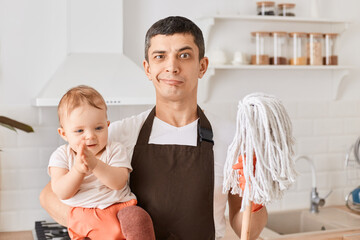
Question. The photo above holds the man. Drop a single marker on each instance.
(175, 176)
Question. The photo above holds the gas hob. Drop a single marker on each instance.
(49, 230)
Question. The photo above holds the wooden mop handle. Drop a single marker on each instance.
(245, 225)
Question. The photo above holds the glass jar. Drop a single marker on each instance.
(298, 54)
(330, 49)
(266, 8)
(279, 45)
(314, 48)
(262, 44)
(286, 9)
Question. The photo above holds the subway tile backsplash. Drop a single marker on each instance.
(323, 130)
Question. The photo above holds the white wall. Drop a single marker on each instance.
(33, 42)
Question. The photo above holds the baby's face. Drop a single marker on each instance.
(89, 124)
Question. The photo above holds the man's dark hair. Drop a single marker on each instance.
(172, 25)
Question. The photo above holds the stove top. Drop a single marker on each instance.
(49, 230)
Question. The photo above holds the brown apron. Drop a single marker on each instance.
(175, 183)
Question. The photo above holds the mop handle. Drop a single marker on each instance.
(245, 225)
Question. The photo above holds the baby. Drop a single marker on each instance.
(89, 173)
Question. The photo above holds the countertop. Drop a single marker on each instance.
(230, 235)
(27, 235)
(24, 235)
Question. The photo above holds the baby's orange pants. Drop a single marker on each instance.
(96, 223)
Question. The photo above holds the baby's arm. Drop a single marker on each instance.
(65, 183)
(113, 177)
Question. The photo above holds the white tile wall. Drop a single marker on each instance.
(294, 199)
(326, 127)
(343, 109)
(329, 162)
(324, 131)
(23, 161)
(339, 143)
(312, 109)
(303, 127)
(312, 144)
(7, 138)
(351, 126)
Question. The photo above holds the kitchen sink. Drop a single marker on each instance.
(286, 223)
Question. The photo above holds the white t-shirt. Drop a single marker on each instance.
(164, 133)
(93, 193)
(127, 130)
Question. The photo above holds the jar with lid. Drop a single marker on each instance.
(298, 54)
(286, 9)
(279, 45)
(314, 48)
(262, 47)
(330, 49)
(266, 8)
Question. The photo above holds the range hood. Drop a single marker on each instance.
(95, 57)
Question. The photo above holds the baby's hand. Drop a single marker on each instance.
(80, 164)
(89, 158)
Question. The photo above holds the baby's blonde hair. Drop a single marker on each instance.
(78, 96)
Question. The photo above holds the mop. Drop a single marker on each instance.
(264, 130)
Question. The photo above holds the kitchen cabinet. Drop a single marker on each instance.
(269, 23)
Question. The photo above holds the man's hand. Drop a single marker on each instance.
(242, 181)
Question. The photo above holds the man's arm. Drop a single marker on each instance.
(258, 218)
(55, 208)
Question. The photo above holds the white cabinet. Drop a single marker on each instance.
(269, 23)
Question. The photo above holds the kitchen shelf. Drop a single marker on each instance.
(207, 22)
(276, 19)
(278, 67)
(338, 72)
(337, 26)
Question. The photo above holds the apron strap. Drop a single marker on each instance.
(145, 131)
(204, 128)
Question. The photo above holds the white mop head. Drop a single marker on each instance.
(263, 128)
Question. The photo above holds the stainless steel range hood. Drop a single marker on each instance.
(95, 57)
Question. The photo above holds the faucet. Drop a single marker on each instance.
(315, 200)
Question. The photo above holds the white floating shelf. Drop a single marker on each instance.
(278, 67)
(277, 19)
(207, 22)
(339, 73)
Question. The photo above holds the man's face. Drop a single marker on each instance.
(174, 66)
